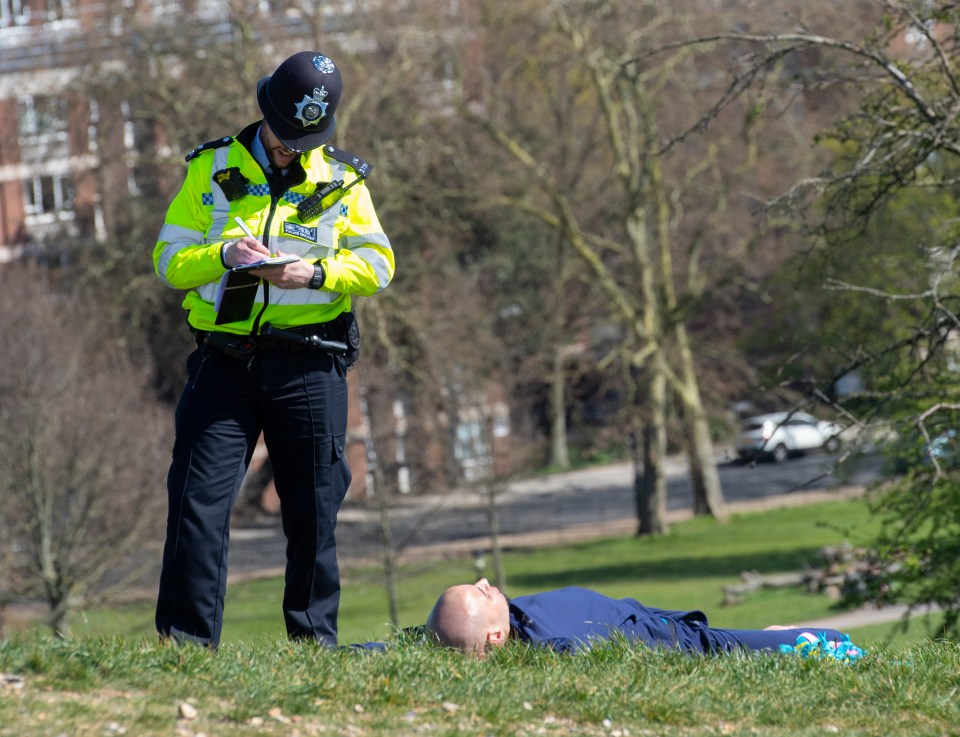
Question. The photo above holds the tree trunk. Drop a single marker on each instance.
(559, 455)
(707, 493)
(389, 552)
(58, 603)
(382, 490)
(650, 484)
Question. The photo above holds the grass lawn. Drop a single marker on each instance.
(273, 688)
(686, 569)
(113, 678)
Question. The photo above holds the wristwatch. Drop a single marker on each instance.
(319, 276)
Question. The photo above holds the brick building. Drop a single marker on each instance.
(68, 162)
(54, 181)
(65, 160)
(34, 128)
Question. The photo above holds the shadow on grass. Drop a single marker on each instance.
(678, 567)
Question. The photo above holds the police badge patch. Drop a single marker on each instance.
(311, 110)
(303, 232)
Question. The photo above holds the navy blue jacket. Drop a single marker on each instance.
(569, 619)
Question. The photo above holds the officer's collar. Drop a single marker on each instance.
(260, 153)
(248, 135)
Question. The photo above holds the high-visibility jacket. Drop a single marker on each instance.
(346, 238)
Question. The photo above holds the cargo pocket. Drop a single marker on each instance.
(340, 476)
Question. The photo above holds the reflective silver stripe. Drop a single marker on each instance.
(283, 297)
(208, 291)
(324, 245)
(326, 227)
(376, 239)
(176, 238)
(301, 248)
(381, 266)
(164, 261)
(338, 170)
(179, 234)
(221, 205)
(376, 259)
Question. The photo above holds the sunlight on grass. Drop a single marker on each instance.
(278, 688)
(113, 675)
(685, 569)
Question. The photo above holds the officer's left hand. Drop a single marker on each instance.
(289, 276)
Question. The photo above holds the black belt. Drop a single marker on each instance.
(321, 336)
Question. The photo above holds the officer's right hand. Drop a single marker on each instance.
(244, 251)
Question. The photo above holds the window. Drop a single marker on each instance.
(55, 9)
(48, 195)
(21, 12)
(14, 12)
(471, 446)
(42, 117)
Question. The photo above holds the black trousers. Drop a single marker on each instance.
(298, 399)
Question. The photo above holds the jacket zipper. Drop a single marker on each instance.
(274, 201)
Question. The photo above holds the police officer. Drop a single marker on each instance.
(273, 344)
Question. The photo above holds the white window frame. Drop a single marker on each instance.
(21, 12)
(33, 131)
(62, 204)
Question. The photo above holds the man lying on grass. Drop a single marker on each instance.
(474, 617)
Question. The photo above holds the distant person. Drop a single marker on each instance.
(475, 617)
(273, 344)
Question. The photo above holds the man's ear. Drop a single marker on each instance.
(496, 637)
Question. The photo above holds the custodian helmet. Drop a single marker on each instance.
(299, 100)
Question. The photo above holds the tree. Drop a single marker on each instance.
(604, 148)
(899, 172)
(82, 446)
(883, 220)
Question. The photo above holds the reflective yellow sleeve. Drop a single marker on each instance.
(364, 263)
(182, 258)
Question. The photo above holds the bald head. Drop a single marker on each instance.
(470, 617)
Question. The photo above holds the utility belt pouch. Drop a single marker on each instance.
(235, 346)
(351, 336)
(232, 182)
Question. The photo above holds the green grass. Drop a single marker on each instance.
(686, 569)
(265, 688)
(112, 677)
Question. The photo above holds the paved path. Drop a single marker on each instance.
(867, 616)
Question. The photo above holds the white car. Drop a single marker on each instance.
(781, 434)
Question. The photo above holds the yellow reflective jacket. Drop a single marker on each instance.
(346, 238)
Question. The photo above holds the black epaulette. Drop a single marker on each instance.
(345, 157)
(209, 146)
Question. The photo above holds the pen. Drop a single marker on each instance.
(244, 228)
